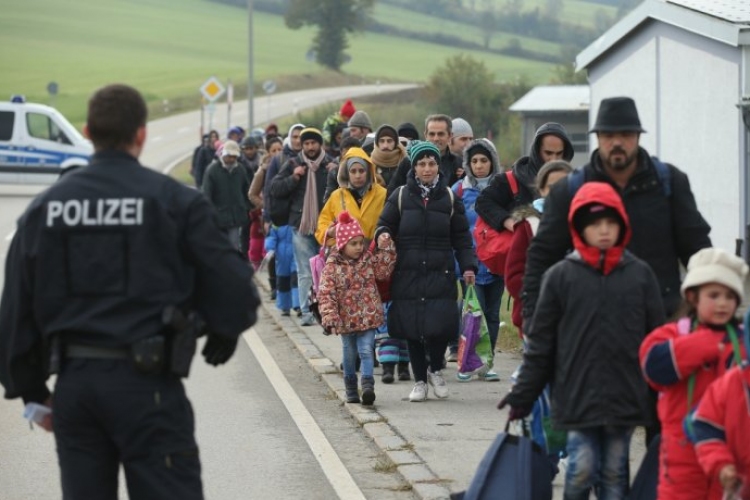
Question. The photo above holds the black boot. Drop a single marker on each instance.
(368, 390)
(388, 369)
(352, 395)
(403, 371)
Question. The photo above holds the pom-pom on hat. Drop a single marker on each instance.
(311, 133)
(714, 265)
(418, 150)
(346, 229)
(347, 109)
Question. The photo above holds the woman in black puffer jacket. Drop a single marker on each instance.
(430, 228)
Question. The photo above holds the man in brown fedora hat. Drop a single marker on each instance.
(667, 226)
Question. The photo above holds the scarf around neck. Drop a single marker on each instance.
(310, 205)
(426, 189)
(388, 159)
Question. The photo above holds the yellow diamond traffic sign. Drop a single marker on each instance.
(212, 89)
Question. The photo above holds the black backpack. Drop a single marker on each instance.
(279, 208)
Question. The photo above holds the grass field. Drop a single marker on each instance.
(574, 12)
(167, 48)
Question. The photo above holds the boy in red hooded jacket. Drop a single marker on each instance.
(594, 310)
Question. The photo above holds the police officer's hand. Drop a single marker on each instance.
(218, 349)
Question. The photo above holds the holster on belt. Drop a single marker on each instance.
(54, 354)
(183, 332)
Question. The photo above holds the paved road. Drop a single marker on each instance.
(254, 442)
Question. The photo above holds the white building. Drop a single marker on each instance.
(687, 65)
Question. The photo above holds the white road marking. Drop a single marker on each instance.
(337, 474)
(158, 138)
(183, 130)
(10, 235)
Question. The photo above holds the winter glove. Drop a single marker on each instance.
(516, 412)
(218, 349)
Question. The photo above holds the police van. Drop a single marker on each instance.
(37, 141)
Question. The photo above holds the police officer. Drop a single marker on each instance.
(95, 262)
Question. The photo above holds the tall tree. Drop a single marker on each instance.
(334, 19)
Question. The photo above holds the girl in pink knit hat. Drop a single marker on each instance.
(349, 301)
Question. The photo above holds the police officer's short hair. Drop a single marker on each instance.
(115, 114)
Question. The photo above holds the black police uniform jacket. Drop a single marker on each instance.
(284, 185)
(423, 286)
(667, 230)
(99, 255)
(595, 309)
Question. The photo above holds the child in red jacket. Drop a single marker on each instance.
(349, 300)
(721, 426)
(681, 359)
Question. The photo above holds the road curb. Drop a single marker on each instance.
(415, 471)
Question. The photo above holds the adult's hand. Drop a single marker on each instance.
(46, 422)
(218, 349)
(469, 277)
(298, 171)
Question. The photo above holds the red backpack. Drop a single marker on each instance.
(492, 245)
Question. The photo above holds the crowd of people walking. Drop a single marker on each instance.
(592, 262)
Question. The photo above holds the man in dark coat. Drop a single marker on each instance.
(226, 186)
(667, 226)
(496, 203)
(302, 181)
(438, 129)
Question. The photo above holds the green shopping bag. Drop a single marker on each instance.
(474, 354)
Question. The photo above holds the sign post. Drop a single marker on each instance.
(269, 87)
(212, 89)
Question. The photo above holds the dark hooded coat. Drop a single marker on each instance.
(496, 203)
(595, 308)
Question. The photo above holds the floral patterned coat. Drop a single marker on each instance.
(348, 296)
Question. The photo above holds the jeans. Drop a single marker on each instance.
(598, 458)
(362, 343)
(305, 247)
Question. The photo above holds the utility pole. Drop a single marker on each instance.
(250, 78)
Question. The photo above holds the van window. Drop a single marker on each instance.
(6, 125)
(43, 127)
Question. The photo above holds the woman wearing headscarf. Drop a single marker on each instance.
(430, 229)
(480, 165)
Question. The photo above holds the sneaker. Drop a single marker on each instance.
(463, 377)
(285, 312)
(307, 319)
(298, 311)
(452, 357)
(491, 376)
(438, 384)
(419, 393)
